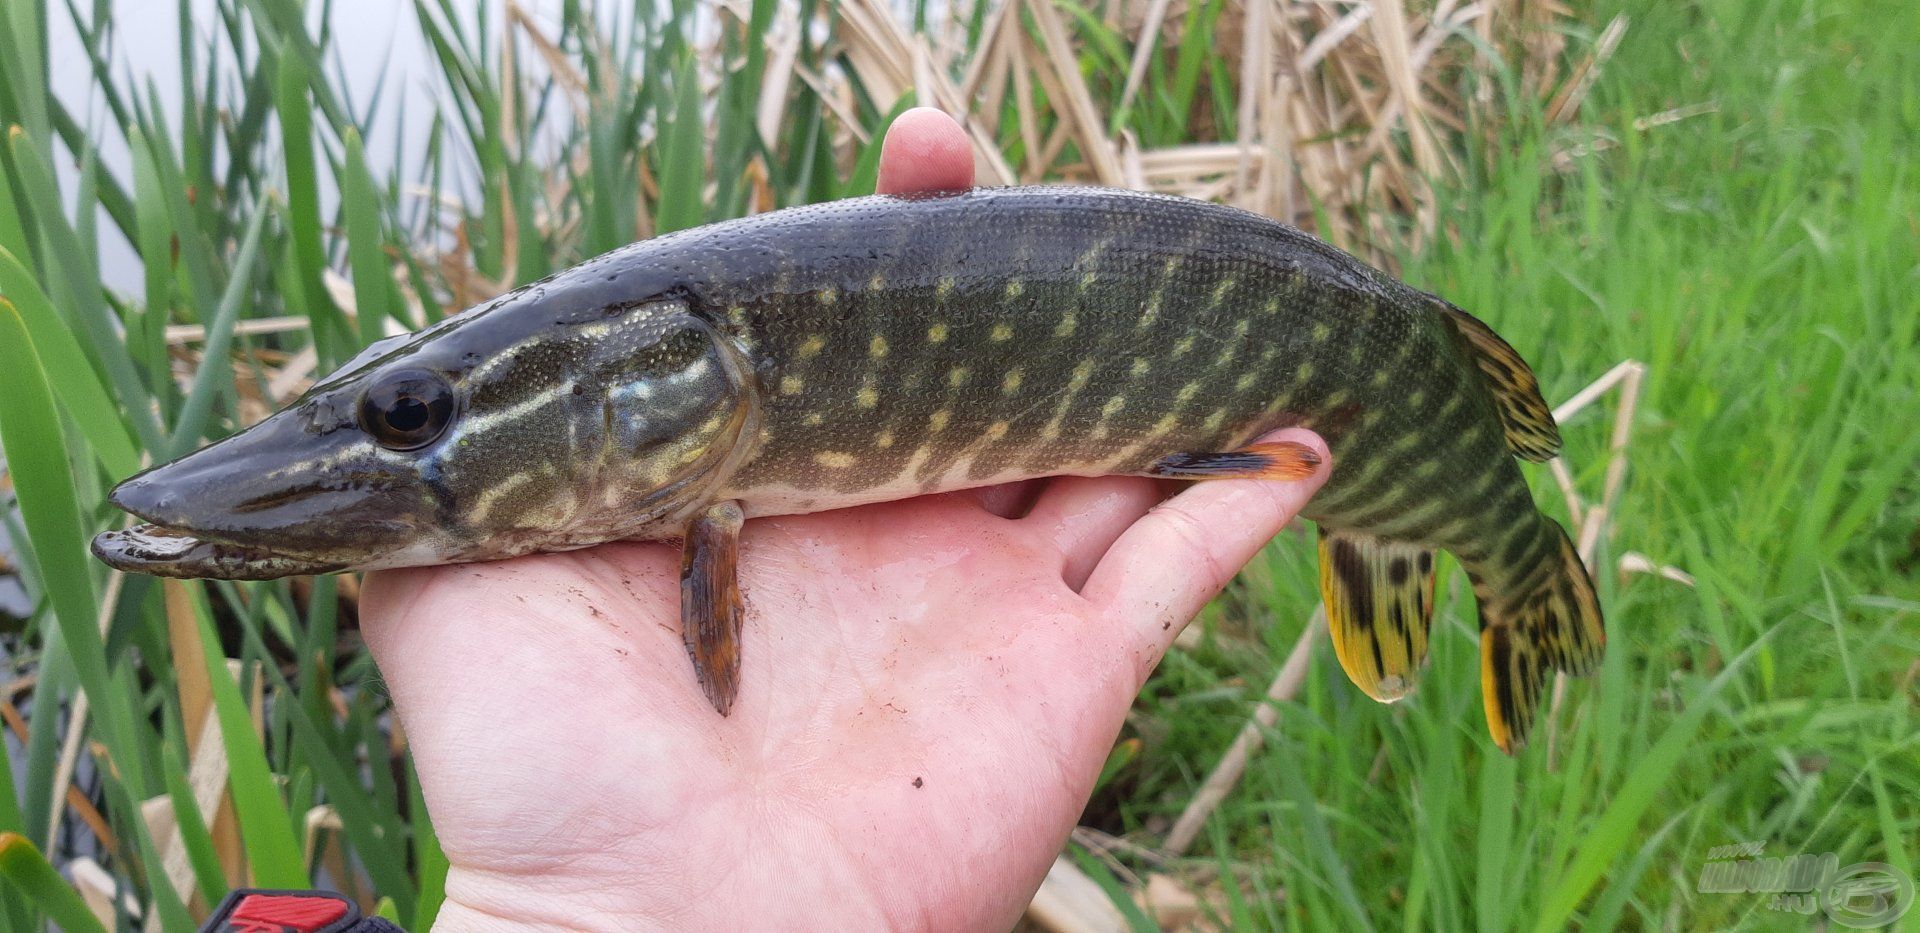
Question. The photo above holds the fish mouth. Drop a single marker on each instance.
(160, 551)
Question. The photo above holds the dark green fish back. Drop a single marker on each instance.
(1041, 331)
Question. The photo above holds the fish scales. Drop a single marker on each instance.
(1133, 325)
(878, 348)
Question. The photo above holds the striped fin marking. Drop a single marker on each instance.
(1524, 415)
(1511, 680)
(1558, 626)
(1379, 599)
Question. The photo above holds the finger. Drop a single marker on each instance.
(1085, 515)
(1164, 569)
(1009, 500)
(925, 150)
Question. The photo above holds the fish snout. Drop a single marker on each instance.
(147, 497)
(260, 489)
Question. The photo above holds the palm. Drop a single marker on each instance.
(923, 686)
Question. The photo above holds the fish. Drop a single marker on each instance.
(878, 348)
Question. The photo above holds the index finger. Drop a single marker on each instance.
(1166, 566)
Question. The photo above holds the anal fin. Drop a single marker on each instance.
(1281, 460)
(711, 611)
(1379, 599)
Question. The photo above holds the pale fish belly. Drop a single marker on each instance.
(776, 492)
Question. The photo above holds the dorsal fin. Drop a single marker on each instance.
(1524, 415)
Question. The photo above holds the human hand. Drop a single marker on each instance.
(929, 688)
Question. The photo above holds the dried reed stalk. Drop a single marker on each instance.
(1233, 764)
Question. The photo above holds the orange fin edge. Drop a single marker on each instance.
(1276, 460)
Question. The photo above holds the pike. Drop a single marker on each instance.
(878, 348)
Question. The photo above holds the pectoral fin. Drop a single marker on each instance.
(711, 611)
(1282, 460)
(1379, 597)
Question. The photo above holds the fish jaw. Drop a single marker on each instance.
(162, 552)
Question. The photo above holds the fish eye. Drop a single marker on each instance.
(406, 410)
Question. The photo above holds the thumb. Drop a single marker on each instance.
(924, 150)
(1167, 565)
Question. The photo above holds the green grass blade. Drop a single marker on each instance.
(866, 171)
(13, 235)
(429, 860)
(1137, 919)
(29, 872)
(154, 236)
(78, 277)
(382, 855)
(13, 907)
(372, 281)
(330, 334)
(194, 412)
(36, 459)
(1614, 830)
(79, 390)
(681, 165)
(273, 850)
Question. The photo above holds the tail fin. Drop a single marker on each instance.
(1523, 636)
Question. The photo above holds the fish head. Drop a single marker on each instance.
(457, 444)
